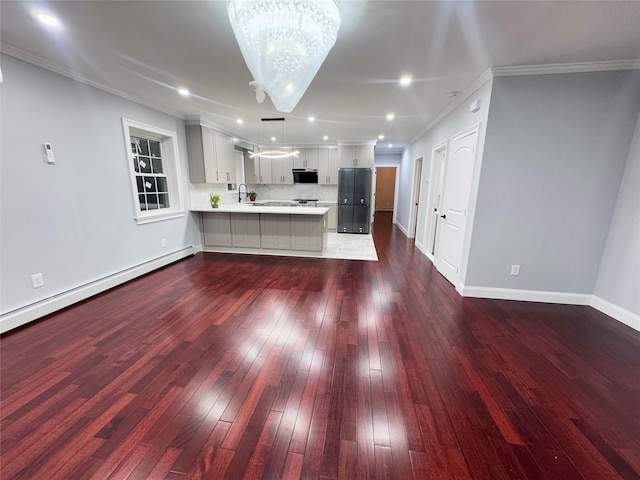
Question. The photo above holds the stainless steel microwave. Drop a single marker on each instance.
(301, 175)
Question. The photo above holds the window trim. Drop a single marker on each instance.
(169, 148)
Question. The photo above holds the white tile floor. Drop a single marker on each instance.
(350, 247)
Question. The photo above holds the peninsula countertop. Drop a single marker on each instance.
(257, 208)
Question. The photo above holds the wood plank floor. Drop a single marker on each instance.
(232, 366)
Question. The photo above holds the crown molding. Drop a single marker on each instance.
(470, 90)
(582, 67)
(54, 67)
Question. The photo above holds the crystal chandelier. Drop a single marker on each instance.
(283, 43)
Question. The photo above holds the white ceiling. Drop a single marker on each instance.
(144, 50)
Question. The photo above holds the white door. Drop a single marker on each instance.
(417, 182)
(453, 216)
(438, 168)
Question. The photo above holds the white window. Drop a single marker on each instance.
(155, 171)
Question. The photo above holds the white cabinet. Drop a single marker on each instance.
(264, 167)
(328, 166)
(360, 156)
(306, 233)
(211, 156)
(225, 158)
(300, 160)
(275, 231)
(281, 171)
(245, 230)
(251, 169)
(307, 158)
(332, 215)
(217, 229)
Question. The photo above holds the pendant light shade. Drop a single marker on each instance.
(284, 43)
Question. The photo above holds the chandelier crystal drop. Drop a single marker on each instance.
(284, 43)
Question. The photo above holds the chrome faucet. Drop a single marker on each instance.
(246, 193)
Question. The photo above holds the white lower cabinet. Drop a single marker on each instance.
(275, 231)
(306, 233)
(217, 229)
(332, 215)
(268, 232)
(245, 230)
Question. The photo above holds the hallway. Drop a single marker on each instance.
(238, 366)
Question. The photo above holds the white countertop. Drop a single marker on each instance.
(257, 208)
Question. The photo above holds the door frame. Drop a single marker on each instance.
(429, 240)
(418, 166)
(395, 191)
(471, 203)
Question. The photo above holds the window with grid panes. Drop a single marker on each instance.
(155, 171)
(151, 181)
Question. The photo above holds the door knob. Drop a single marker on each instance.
(443, 216)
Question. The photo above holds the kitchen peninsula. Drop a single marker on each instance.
(264, 230)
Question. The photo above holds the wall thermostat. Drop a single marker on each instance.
(49, 153)
(475, 106)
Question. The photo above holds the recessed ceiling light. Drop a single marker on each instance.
(47, 19)
(380, 137)
(390, 116)
(405, 80)
(184, 92)
(273, 139)
(325, 138)
(239, 121)
(312, 119)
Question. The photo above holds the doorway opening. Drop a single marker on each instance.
(385, 189)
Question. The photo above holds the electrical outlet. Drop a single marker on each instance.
(515, 269)
(37, 280)
(163, 242)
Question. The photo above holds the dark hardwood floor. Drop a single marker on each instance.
(234, 366)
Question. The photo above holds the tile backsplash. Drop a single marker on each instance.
(199, 192)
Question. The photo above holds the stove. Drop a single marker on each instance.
(304, 202)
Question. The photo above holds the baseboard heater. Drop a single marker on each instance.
(28, 313)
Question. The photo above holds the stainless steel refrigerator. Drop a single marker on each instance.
(354, 196)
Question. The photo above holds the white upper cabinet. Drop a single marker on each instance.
(281, 171)
(311, 158)
(307, 158)
(328, 165)
(360, 156)
(264, 168)
(300, 160)
(211, 156)
(225, 156)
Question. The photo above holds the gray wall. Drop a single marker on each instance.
(555, 152)
(618, 279)
(458, 120)
(387, 159)
(72, 221)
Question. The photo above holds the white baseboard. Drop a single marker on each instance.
(624, 316)
(526, 295)
(29, 313)
(614, 311)
(403, 230)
